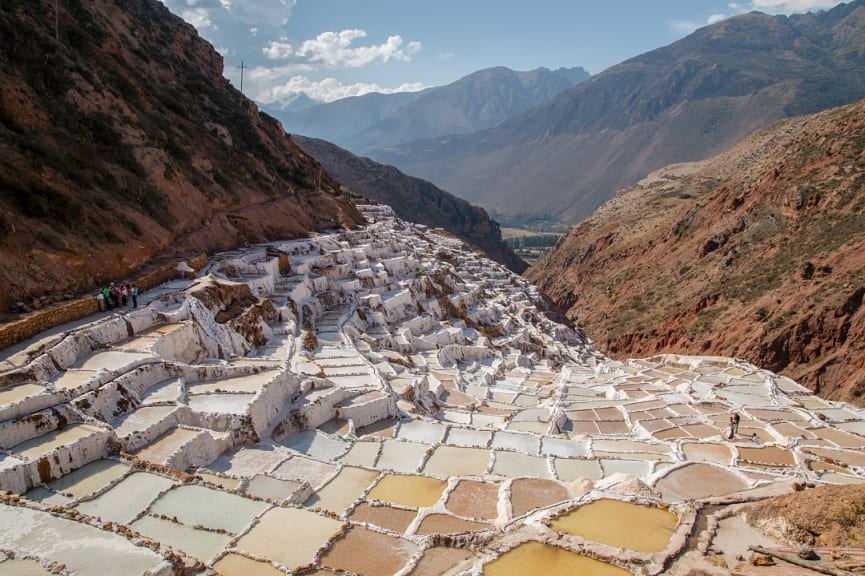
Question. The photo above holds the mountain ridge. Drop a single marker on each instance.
(755, 253)
(682, 102)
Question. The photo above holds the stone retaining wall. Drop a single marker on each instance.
(17, 331)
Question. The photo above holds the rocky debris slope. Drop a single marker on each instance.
(383, 400)
(756, 254)
(122, 143)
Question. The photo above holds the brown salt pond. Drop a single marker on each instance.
(440, 560)
(696, 481)
(395, 519)
(717, 453)
(363, 551)
(620, 524)
(766, 455)
(415, 491)
(539, 558)
(291, 548)
(237, 565)
(474, 499)
(532, 493)
(447, 524)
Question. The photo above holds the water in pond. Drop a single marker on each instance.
(273, 489)
(201, 506)
(15, 567)
(141, 419)
(369, 553)
(362, 454)
(237, 565)
(769, 455)
(695, 481)
(538, 558)
(514, 465)
(200, 544)
(474, 499)
(42, 445)
(572, 469)
(416, 491)
(468, 437)
(220, 403)
(346, 487)
(90, 478)
(420, 431)
(394, 519)
(708, 452)
(83, 549)
(126, 499)
(167, 444)
(291, 548)
(620, 524)
(455, 461)
(447, 524)
(401, 456)
(531, 493)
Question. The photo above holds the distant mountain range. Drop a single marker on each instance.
(758, 253)
(683, 102)
(475, 102)
(413, 199)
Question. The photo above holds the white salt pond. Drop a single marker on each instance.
(213, 509)
(199, 544)
(81, 548)
(126, 499)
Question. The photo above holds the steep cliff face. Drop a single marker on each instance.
(758, 253)
(121, 143)
(414, 199)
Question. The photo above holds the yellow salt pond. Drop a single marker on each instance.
(416, 491)
(237, 565)
(538, 558)
(620, 524)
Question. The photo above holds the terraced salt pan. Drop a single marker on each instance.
(539, 558)
(90, 478)
(126, 499)
(408, 490)
(388, 517)
(250, 384)
(635, 468)
(317, 445)
(160, 451)
(341, 491)
(440, 560)
(221, 403)
(247, 461)
(570, 470)
(620, 524)
(449, 461)
(18, 567)
(308, 469)
(141, 419)
(291, 548)
(468, 437)
(238, 565)
(401, 456)
(362, 454)
(697, 481)
(45, 444)
(200, 544)
(81, 548)
(165, 391)
(718, 453)
(195, 505)
(111, 360)
(421, 431)
(525, 443)
(273, 489)
(447, 524)
(515, 465)
(13, 394)
(367, 552)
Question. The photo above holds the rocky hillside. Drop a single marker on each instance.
(121, 142)
(475, 102)
(758, 253)
(413, 199)
(680, 103)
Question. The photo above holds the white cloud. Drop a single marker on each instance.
(714, 18)
(326, 90)
(684, 27)
(335, 49)
(791, 6)
(277, 50)
(198, 17)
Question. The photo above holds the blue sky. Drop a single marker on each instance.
(336, 48)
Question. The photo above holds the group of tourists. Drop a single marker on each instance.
(114, 296)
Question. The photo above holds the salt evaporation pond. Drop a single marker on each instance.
(199, 544)
(414, 491)
(621, 524)
(539, 558)
(126, 499)
(238, 565)
(455, 461)
(339, 493)
(214, 509)
(90, 478)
